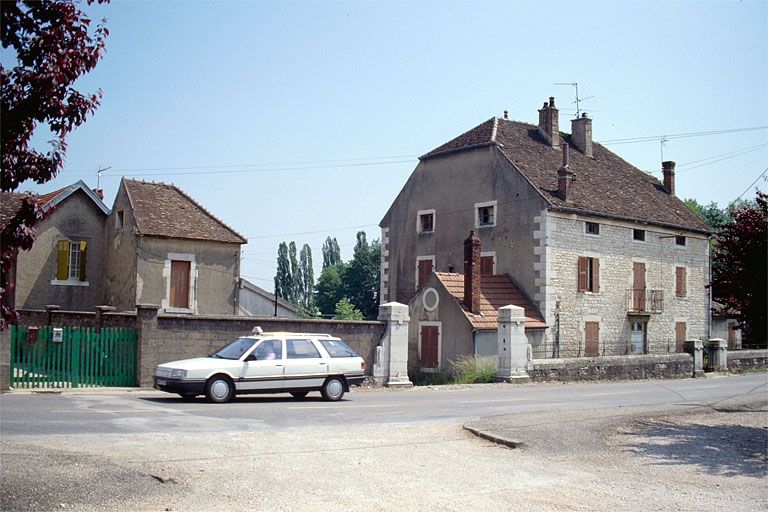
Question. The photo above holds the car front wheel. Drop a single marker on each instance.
(219, 389)
(333, 389)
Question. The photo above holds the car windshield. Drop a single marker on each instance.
(337, 348)
(234, 350)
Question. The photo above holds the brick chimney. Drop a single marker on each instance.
(472, 273)
(669, 176)
(99, 192)
(549, 124)
(565, 178)
(581, 134)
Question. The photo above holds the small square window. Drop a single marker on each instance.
(639, 235)
(680, 240)
(485, 214)
(592, 228)
(427, 222)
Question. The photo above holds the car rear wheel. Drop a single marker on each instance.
(219, 389)
(333, 389)
(298, 394)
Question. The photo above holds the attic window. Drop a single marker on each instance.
(120, 219)
(680, 240)
(592, 228)
(426, 221)
(485, 214)
(639, 235)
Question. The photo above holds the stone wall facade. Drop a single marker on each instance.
(668, 366)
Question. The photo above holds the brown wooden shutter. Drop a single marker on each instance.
(595, 275)
(429, 339)
(638, 286)
(679, 336)
(591, 339)
(180, 284)
(680, 279)
(62, 260)
(425, 270)
(486, 266)
(82, 261)
(582, 274)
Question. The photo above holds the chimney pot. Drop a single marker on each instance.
(549, 123)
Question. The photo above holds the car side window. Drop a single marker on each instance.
(301, 349)
(269, 350)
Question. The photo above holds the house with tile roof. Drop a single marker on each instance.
(65, 266)
(609, 258)
(164, 248)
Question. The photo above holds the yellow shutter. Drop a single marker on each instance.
(62, 260)
(82, 261)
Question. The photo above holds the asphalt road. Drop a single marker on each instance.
(646, 445)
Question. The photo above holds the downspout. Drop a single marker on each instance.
(474, 344)
(709, 288)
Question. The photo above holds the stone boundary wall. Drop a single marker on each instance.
(745, 360)
(651, 366)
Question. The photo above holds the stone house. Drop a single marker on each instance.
(164, 248)
(613, 262)
(65, 266)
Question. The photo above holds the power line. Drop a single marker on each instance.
(679, 136)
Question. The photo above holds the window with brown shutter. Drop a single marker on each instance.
(486, 265)
(680, 334)
(591, 339)
(425, 270)
(589, 274)
(180, 284)
(680, 281)
(429, 346)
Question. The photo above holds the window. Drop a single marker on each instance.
(680, 240)
(426, 221)
(429, 346)
(592, 228)
(424, 266)
(638, 235)
(301, 349)
(120, 219)
(680, 281)
(487, 264)
(180, 271)
(70, 261)
(679, 336)
(485, 214)
(591, 339)
(589, 274)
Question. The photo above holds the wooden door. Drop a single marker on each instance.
(180, 284)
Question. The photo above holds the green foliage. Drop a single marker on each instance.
(331, 253)
(710, 214)
(467, 369)
(306, 279)
(345, 310)
(330, 288)
(362, 277)
(284, 278)
(295, 279)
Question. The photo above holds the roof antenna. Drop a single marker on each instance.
(578, 100)
(98, 176)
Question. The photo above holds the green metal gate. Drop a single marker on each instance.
(63, 357)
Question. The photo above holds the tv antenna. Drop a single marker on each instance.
(98, 176)
(578, 100)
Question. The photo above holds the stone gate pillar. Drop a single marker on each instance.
(146, 324)
(718, 355)
(515, 354)
(696, 349)
(390, 367)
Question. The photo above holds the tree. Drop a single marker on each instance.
(331, 253)
(362, 277)
(330, 288)
(345, 310)
(53, 47)
(284, 278)
(739, 279)
(306, 279)
(710, 214)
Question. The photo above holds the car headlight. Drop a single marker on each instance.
(179, 374)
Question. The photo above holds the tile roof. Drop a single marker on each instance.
(10, 203)
(495, 292)
(605, 184)
(165, 211)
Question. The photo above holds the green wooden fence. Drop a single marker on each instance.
(64, 357)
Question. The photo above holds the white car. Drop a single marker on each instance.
(267, 363)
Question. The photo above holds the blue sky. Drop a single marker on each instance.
(294, 121)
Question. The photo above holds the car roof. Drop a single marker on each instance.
(283, 334)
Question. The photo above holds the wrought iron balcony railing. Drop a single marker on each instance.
(641, 300)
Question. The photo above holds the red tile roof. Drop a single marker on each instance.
(495, 292)
(165, 211)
